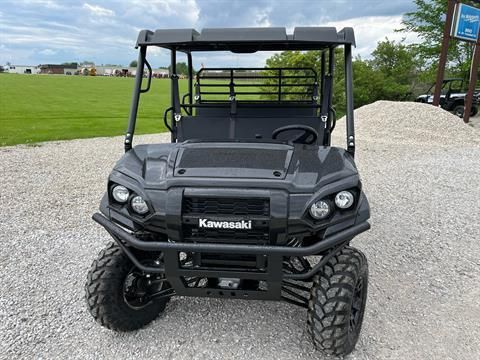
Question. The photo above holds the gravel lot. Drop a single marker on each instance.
(420, 167)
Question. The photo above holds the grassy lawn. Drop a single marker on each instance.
(36, 108)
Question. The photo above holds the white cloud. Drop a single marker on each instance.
(180, 10)
(262, 18)
(228, 59)
(47, 52)
(98, 10)
(372, 29)
(49, 4)
(157, 51)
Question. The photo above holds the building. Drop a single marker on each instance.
(127, 71)
(22, 69)
(115, 71)
(58, 69)
(161, 73)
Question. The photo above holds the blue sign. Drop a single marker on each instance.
(467, 21)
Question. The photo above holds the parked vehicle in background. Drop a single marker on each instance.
(452, 97)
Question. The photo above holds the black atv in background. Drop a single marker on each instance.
(452, 97)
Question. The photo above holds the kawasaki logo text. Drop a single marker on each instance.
(209, 224)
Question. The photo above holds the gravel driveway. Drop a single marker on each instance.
(423, 251)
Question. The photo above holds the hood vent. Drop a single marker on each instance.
(232, 160)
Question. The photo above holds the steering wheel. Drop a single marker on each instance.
(309, 136)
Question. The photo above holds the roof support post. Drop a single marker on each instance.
(349, 96)
(279, 85)
(135, 99)
(322, 75)
(329, 111)
(331, 61)
(174, 94)
(190, 78)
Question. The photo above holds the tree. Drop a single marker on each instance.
(307, 59)
(182, 68)
(70, 64)
(367, 84)
(399, 67)
(290, 59)
(428, 21)
(133, 63)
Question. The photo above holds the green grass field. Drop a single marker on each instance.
(36, 108)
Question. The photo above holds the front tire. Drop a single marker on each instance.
(458, 110)
(337, 302)
(109, 294)
(474, 111)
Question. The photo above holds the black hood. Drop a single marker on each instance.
(296, 168)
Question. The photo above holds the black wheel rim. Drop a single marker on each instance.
(356, 309)
(139, 287)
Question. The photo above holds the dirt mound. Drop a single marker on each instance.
(409, 123)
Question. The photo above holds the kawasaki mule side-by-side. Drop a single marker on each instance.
(249, 200)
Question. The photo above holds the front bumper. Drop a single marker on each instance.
(123, 238)
(277, 281)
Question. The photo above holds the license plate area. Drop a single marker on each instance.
(201, 273)
(222, 262)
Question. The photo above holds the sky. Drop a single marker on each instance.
(36, 32)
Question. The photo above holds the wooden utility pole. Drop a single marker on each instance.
(443, 54)
(473, 82)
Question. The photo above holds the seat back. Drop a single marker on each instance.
(239, 127)
(259, 110)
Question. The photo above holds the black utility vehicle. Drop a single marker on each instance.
(248, 201)
(452, 97)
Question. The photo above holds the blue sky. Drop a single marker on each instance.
(104, 31)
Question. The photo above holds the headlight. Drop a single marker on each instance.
(139, 205)
(120, 193)
(320, 209)
(344, 199)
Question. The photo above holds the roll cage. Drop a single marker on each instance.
(216, 96)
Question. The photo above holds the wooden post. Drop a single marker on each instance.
(443, 54)
(472, 83)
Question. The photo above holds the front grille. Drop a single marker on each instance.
(226, 206)
(229, 209)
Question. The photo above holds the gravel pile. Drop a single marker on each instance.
(423, 253)
(408, 123)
